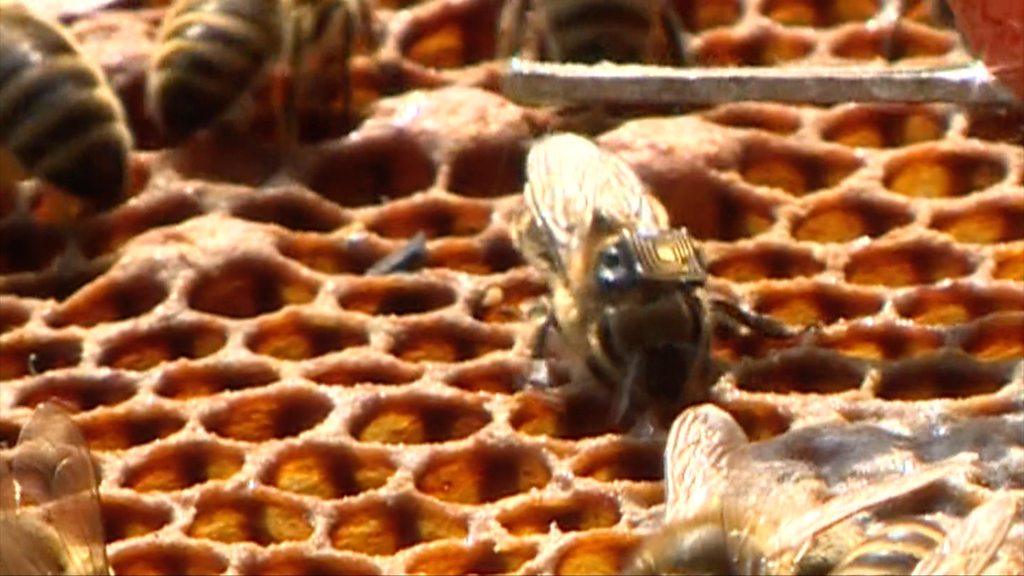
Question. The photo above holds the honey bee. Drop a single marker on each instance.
(628, 292)
(733, 507)
(213, 52)
(59, 117)
(50, 520)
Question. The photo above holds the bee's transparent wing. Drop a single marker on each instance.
(970, 546)
(53, 469)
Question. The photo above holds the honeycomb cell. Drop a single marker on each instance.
(244, 288)
(1010, 265)
(805, 372)
(454, 36)
(905, 41)
(907, 264)
(366, 369)
(488, 169)
(78, 393)
(26, 246)
(109, 301)
(352, 254)
(885, 126)
(301, 563)
(624, 460)
(168, 558)
(871, 341)
(815, 304)
(819, 13)
(850, 217)
(758, 48)
(490, 255)
(731, 345)
(572, 417)
(434, 217)
(125, 518)
(417, 420)
(386, 526)
(931, 173)
(985, 223)
(227, 154)
(760, 421)
(926, 12)
(581, 511)
(939, 376)
(252, 517)
(109, 232)
(142, 349)
(601, 553)
(9, 432)
(264, 416)
(1000, 337)
(798, 172)
(482, 558)
(367, 170)
(483, 473)
(294, 336)
(301, 212)
(445, 341)
(12, 315)
(507, 301)
(328, 471)
(957, 303)
(712, 208)
(170, 468)
(395, 296)
(36, 355)
(767, 117)
(700, 15)
(123, 430)
(996, 124)
(766, 261)
(499, 377)
(196, 381)
(57, 283)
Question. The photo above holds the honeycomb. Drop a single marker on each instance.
(259, 406)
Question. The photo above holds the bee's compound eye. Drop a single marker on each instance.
(613, 271)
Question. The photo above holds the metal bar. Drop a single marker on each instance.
(557, 83)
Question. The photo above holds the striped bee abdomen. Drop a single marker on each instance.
(58, 116)
(896, 549)
(210, 53)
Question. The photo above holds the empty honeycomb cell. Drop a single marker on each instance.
(488, 169)
(997, 124)
(930, 173)
(12, 315)
(906, 40)
(482, 558)
(299, 336)
(798, 172)
(385, 526)
(125, 518)
(142, 349)
(766, 261)
(364, 369)
(300, 563)
(417, 420)
(249, 287)
(580, 511)
(600, 553)
(57, 283)
(177, 467)
(263, 416)
(123, 430)
(508, 300)
(907, 264)
(815, 304)
(499, 377)
(26, 246)
(700, 15)
(573, 417)
(484, 473)
(758, 48)
(196, 381)
(999, 337)
(168, 558)
(257, 518)
(1010, 265)
(885, 126)
(882, 341)
(9, 432)
(623, 460)
(805, 372)
(986, 223)
(78, 393)
(328, 471)
(294, 211)
(110, 232)
(957, 303)
(940, 376)
(819, 13)
(927, 12)
(395, 296)
(714, 209)
(444, 341)
(760, 421)
(109, 301)
(349, 255)
(31, 356)
(488, 255)
(850, 217)
(456, 35)
(771, 118)
(434, 217)
(365, 171)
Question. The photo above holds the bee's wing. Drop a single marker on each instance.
(970, 546)
(570, 181)
(53, 468)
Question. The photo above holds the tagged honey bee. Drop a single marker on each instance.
(59, 118)
(627, 292)
(733, 507)
(50, 520)
(212, 52)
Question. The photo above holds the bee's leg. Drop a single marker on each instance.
(540, 340)
(733, 315)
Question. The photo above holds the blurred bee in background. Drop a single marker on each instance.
(59, 118)
(50, 518)
(735, 507)
(628, 292)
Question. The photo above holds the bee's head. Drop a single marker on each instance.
(684, 548)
